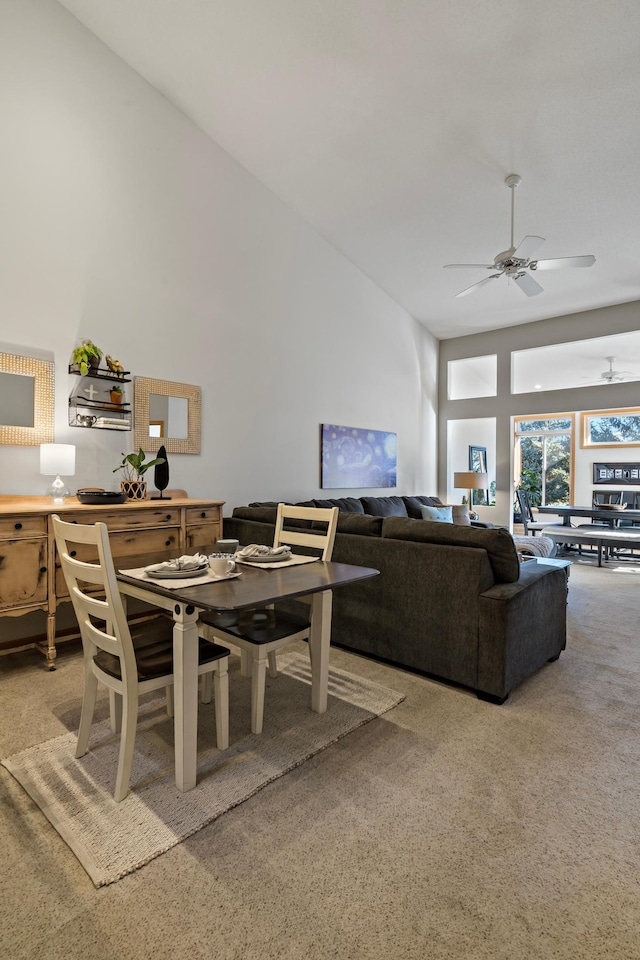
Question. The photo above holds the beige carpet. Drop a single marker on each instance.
(448, 829)
(113, 839)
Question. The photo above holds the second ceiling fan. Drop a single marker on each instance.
(516, 262)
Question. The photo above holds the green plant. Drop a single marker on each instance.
(83, 356)
(133, 465)
(116, 389)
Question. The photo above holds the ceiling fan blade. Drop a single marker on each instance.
(464, 266)
(527, 284)
(561, 262)
(527, 247)
(480, 283)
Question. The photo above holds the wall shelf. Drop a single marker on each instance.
(90, 405)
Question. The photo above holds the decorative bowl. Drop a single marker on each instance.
(101, 496)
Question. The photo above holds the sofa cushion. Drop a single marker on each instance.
(461, 514)
(498, 543)
(438, 514)
(360, 524)
(415, 504)
(261, 514)
(344, 504)
(266, 503)
(384, 506)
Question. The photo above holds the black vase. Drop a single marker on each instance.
(161, 474)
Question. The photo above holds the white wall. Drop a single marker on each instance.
(124, 223)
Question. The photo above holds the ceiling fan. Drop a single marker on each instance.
(516, 261)
(615, 376)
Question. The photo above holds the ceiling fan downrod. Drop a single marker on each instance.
(513, 181)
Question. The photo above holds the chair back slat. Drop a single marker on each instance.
(314, 539)
(111, 632)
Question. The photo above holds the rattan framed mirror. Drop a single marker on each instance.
(174, 406)
(27, 400)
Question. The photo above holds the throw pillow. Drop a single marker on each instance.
(438, 514)
(461, 514)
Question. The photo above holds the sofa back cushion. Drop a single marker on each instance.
(384, 506)
(360, 524)
(344, 504)
(261, 514)
(498, 543)
(415, 504)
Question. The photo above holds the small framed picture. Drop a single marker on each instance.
(478, 463)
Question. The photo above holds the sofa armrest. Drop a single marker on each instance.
(522, 625)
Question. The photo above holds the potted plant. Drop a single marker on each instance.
(85, 357)
(116, 394)
(133, 468)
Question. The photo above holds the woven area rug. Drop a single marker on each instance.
(113, 839)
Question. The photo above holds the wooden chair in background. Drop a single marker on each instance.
(260, 633)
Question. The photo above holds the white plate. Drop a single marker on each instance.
(227, 576)
(176, 574)
(280, 558)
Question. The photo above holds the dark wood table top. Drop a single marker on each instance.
(258, 587)
(596, 513)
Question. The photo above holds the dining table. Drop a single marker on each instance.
(609, 516)
(254, 587)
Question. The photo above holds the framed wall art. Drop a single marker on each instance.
(617, 473)
(355, 457)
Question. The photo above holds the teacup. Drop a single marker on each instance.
(221, 566)
(227, 546)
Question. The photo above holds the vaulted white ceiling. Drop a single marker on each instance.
(390, 125)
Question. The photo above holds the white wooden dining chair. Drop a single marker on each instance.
(259, 633)
(128, 660)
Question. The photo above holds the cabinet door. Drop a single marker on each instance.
(23, 572)
(201, 535)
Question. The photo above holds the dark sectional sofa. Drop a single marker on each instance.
(452, 601)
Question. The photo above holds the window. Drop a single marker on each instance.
(473, 377)
(543, 459)
(611, 428)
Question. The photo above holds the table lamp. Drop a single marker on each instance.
(470, 480)
(57, 459)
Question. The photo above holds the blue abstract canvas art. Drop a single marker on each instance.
(353, 457)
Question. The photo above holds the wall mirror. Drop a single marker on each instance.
(166, 413)
(26, 400)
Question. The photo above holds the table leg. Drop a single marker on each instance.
(185, 689)
(319, 642)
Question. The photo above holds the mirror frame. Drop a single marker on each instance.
(43, 373)
(143, 387)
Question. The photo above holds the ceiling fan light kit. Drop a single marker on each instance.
(515, 262)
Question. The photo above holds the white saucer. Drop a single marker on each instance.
(227, 576)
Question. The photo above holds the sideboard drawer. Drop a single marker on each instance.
(23, 572)
(137, 548)
(128, 519)
(203, 514)
(13, 528)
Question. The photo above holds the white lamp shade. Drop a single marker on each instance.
(470, 480)
(57, 459)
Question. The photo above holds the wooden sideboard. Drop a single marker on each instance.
(140, 532)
